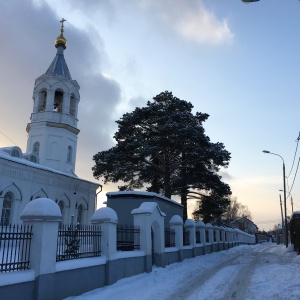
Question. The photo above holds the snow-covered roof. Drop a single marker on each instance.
(140, 194)
(59, 67)
(147, 207)
(7, 156)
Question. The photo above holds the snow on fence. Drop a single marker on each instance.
(57, 273)
(15, 247)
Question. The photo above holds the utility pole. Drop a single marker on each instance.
(292, 205)
(281, 213)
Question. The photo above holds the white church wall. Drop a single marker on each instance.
(28, 181)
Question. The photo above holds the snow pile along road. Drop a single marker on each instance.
(262, 271)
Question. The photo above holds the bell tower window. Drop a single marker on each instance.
(69, 155)
(42, 101)
(72, 106)
(58, 101)
(36, 148)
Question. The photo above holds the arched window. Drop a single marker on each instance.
(72, 110)
(79, 214)
(69, 155)
(36, 148)
(6, 209)
(15, 153)
(58, 101)
(61, 205)
(33, 159)
(42, 101)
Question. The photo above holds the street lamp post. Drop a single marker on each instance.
(284, 196)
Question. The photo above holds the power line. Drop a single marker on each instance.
(297, 140)
(8, 138)
(294, 179)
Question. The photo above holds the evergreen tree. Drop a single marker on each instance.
(164, 146)
(211, 208)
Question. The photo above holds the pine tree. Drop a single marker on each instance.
(164, 145)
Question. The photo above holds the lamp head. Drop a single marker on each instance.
(265, 151)
(249, 1)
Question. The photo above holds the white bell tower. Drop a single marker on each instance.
(52, 131)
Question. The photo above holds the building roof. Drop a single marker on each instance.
(59, 66)
(140, 194)
(6, 156)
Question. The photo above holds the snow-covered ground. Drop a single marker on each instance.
(262, 271)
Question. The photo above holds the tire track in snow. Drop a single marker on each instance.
(193, 283)
(227, 280)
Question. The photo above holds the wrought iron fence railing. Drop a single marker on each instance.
(169, 237)
(198, 236)
(78, 241)
(186, 237)
(15, 242)
(128, 238)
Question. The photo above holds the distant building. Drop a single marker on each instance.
(124, 202)
(47, 168)
(245, 225)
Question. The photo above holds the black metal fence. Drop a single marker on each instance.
(198, 236)
(169, 237)
(186, 237)
(78, 241)
(15, 242)
(128, 238)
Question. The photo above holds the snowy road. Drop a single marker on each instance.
(263, 271)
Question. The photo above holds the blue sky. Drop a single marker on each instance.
(237, 62)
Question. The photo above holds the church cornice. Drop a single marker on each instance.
(56, 125)
(64, 126)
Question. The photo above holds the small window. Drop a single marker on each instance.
(36, 148)
(33, 159)
(15, 153)
(72, 106)
(69, 155)
(6, 209)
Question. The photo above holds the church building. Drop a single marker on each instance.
(47, 168)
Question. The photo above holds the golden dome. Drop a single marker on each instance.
(60, 40)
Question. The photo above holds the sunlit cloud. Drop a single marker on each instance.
(191, 20)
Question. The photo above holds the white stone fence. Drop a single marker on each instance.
(49, 279)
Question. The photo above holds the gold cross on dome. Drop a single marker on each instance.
(62, 22)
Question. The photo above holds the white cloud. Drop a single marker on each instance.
(191, 20)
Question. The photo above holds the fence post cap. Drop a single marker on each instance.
(176, 220)
(104, 215)
(189, 223)
(200, 224)
(41, 209)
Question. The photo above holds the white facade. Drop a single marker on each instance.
(52, 132)
(47, 169)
